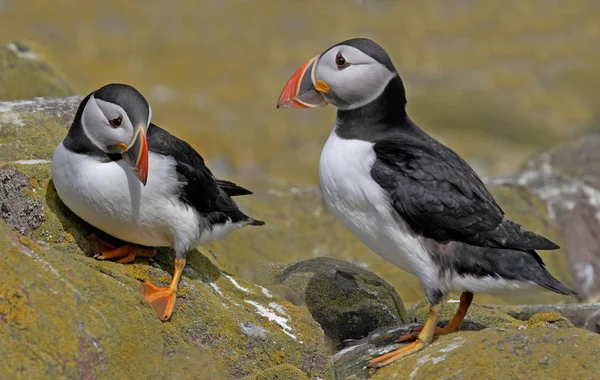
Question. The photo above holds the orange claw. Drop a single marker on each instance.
(126, 254)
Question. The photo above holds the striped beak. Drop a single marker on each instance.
(136, 154)
(301, 90)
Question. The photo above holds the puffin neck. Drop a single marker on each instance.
(388, 108)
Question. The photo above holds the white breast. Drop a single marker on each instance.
(364, 207)
(110, 197)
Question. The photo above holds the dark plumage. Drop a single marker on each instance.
(209, 196)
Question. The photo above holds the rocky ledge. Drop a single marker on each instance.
(65, 315)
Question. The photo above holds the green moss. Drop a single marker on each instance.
(26, 74)
(280, 372)
(23, 139)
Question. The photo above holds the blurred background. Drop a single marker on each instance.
(496, 80)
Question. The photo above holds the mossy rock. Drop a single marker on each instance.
(568, 353)
(477, 318)
(280, 372)
(64, 314)
(24, 74)
(348, 302)
(483, 332)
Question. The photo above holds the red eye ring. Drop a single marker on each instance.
(340, 61)
(116, 122)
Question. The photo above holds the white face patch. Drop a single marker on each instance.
(96, 124)
(357, 84)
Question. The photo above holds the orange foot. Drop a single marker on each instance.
(104, 251)
(453, 325)
(163, 299)
(425, 334)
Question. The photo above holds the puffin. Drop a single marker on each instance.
(408, 197)
(137, 182)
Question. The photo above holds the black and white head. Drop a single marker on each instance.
(348, 75)
(115, 118)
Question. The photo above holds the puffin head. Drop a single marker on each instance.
(348, 75)
(115, 118)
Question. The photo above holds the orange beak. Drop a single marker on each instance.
(136, 155)
(300, 91)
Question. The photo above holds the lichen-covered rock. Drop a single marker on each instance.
(485, 347)
(347, 301)
(477, 318)
(280, 372)
(25, 75)
(495, 354)
(582, 315)
(65, 314)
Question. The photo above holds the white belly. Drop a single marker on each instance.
(364, 207)
(110, 197)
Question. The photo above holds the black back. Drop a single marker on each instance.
(431, 187)
(201, 190)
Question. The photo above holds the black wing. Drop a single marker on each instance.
(442, 198)
(201, 190)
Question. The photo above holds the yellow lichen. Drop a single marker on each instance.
(548, 318)
(14, 308)
(31, 245)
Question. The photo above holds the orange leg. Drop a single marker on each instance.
(104, 251)
(425, 337)
(453, 325)
(163, 299)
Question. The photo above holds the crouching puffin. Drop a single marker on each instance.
(408, 197)
(137, 182)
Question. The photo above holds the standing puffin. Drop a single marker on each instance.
(408, 197)
(137, 182)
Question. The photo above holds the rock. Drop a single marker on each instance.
(346, 300)
(18, 210)
(490, 344)
(540, 353)
(280, 372)
(24, 74)
(64, 314)
(585, 316)
(477, 318)
(567, 179)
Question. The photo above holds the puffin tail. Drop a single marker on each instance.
(232, 189)
(254, 222)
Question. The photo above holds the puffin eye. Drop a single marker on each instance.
(340, 61)
(116, 123)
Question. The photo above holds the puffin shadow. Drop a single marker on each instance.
(71, 223)
(198, 266)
